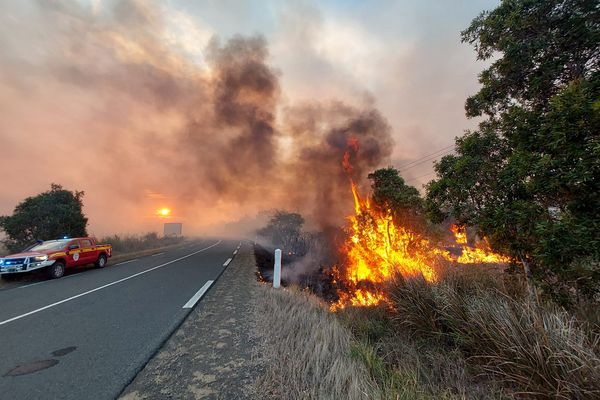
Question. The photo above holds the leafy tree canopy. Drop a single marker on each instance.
(390, 192)
(284, 231)
(49, 215)
(529, 177)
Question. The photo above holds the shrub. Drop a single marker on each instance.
(405, 367)
(540, 351)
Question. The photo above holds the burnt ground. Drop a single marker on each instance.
(320, 281)
(211, 355)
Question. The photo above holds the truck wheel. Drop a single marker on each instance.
(101, 262)
(56, 270)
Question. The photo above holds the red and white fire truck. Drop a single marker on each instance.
(56, 256)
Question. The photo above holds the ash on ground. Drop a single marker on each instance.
(301, 270)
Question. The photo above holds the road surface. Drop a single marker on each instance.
(88, 334)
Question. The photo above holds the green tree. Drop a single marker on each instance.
(390, 192)
(529, 178)
(284, 231)
(49, 215)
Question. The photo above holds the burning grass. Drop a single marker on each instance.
(429, 322)
(469, 334)
(377, 247)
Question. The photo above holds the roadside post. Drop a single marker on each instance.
(277, 269)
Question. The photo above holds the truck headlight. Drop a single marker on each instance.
(1, 261)
(40, 258)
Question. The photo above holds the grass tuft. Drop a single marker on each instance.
(405, 365)
(310, 354)
(538, 350)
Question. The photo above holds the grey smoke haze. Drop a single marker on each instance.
(106, 98)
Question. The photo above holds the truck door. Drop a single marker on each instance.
(74, 257)
(88, 251)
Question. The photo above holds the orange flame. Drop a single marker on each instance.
(481, 255)
(460, 233)
(376, 247)
(474, 255)
(352, 148)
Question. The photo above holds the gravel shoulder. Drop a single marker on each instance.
(212, 354)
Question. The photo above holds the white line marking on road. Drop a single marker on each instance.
(191, 302)
(227, 262)
(235, 252)
(46, 281)
(32, 284)
(157, 254)
(104, 286)
(125, 262)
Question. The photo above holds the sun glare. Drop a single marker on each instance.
(164, 212)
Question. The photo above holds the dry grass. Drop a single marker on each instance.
(357, 353)
(471, 335)
(406, 367)
(135, 243)
(539, 351)
(307, 351)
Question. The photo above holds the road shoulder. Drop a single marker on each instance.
(211, 354)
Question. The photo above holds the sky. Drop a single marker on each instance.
(218, 110)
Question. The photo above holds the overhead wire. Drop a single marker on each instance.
(426, 158)
(420, 176)
(435, 153)
(432, 158)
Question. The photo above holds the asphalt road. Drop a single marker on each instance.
(86, 335)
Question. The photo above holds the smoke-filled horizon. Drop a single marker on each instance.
(102, 97)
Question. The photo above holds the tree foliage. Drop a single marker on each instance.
(49, 215)
(529, 177)
(390, 192)
(284, 231)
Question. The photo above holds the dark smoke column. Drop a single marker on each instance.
(336, 142)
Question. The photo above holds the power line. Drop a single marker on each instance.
(421, 176)
(434, 154)
(424, 160)
(427, 155)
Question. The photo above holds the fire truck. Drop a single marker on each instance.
(56, 256)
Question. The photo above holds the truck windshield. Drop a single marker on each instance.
(50, 245)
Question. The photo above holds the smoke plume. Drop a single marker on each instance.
(117, 110)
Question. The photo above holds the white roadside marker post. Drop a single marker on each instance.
(277, 269)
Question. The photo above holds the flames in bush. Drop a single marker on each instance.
(376, 248)
(479, 254)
